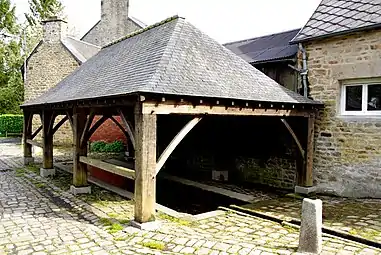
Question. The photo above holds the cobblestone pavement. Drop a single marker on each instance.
(39, 216)
(359, 217)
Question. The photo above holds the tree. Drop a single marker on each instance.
(7, 17)
(11, 89)
(43, 9)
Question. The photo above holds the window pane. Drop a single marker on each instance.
(354, 98)
(374, 96)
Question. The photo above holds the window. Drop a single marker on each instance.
(361, 99)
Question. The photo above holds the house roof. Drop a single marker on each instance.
(81, 50)
(170, 58)
(334, 17)
(265, 48)
(134, 20)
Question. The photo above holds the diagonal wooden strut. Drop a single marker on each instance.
(36, 132)
(120, 127)
(59, 124)
(295, 137)
(86, 133)
(129, 128)
(178, 138)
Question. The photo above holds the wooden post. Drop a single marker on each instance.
(27, 134)
(145, 165)
(47, 119)
(80, 149)
(309, 152)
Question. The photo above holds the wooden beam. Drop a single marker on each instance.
(36, 132)
(173, 144)
(59, 124)
(85, 137)
(79, 168)
(95, 127)
(47, 119)
(120, 127)
(310, 151)
(34, 143)
(129, 127)
(300, 147)
(166, 108)
(27, 135)
(145, 165)
(118, 170)
(70, 117)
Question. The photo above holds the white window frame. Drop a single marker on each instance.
(364, 100)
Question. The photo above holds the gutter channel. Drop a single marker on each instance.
(296, 224)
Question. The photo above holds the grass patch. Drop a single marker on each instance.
(121, 238)
(289, 228)
(154, 245)
(176, 220)
(105, 221)
(39, 185)
(124, 221)
(115, 228)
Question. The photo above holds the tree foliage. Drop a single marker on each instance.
(43, 9)
(7, 17)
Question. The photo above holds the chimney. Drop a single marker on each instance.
(55, 29)
(114, 13)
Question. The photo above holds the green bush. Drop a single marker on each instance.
(100, 146)
(10, 123)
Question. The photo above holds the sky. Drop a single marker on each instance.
(223, 20)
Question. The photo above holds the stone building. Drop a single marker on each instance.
(343, 45)
(58, 55)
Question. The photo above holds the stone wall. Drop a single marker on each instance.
(113, 25)
(347, 159)
(255, 150)
(46, 67)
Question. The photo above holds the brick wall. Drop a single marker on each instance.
(108, 131)
(347, 159)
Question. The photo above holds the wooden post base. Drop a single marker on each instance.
(80, 190)
(47, 172)
(28, 161)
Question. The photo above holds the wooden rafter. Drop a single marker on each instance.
(300, 147)
(176, 140)
(59, 124)
(36, 132)
(129, 128)
(85, 137)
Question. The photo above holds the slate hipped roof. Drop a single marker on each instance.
(267, 48)
(334, 17)
(174, 58)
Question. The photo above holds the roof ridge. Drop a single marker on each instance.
(262, 36)
(140, 31)
(167, 54)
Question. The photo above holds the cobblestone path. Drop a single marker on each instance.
(358, 217)
(40, 216)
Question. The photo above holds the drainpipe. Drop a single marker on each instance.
(304, 71)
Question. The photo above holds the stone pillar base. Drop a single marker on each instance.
(47, 172)
(28, 160)
(305, 190)
(80, 190)
(149, 226)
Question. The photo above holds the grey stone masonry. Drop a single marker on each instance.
(310, 239)
(54, 30)
(113, 25)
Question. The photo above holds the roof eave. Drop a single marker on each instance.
(360, 29)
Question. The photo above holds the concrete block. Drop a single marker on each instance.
(310, 238)
(149, 226)
(80, 190)
(305, 190)
(28, 160)
(47, 172)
